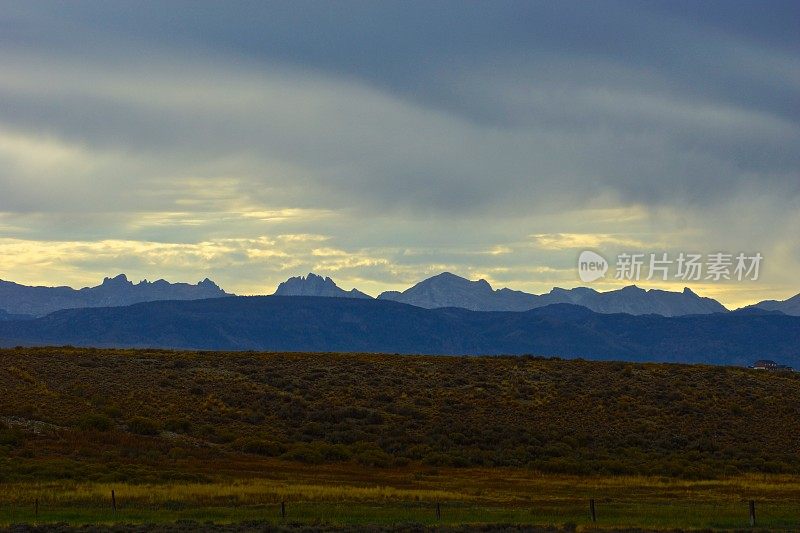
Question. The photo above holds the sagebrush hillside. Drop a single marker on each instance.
(126, 414)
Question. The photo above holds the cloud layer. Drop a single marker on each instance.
(183, 140)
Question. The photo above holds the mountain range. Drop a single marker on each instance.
(16, 299)
(303, 323)
(19, 302)
(313, 285)
(449, 290)
(787, 307)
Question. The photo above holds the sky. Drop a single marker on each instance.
(380, 143)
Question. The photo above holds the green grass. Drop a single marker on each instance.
(466, 497)
(682, 515)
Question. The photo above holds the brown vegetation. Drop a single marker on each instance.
(114, 415)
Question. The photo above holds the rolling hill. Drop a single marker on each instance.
(301, 323)
(225, 411)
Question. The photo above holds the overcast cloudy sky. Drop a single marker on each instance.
(382, 142)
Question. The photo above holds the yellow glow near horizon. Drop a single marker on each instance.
(85, 263)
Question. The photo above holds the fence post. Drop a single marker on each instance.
(283, 509)
(113, 501)
(591, 510)
(36, 509)
(752, 513)
(438, 511)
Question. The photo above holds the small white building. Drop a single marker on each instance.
(767, 364)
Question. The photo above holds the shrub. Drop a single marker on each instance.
(113, 411)
(437, 459)
(95, 422)
(178, 425)
(224, 436)
(305, 454)
(143, 426)
(266, 448)
(377, 458)
(10, 437)
(317, 452)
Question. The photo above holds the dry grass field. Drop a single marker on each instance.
(358, 439)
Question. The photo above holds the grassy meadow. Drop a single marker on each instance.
(342, 496)
(360, 439)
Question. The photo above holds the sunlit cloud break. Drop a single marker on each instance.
(152, 145)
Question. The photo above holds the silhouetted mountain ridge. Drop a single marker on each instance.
(449, 290)
(313, 285)
(318, 324)
(443, 290)
(790, 306)
(116, 291)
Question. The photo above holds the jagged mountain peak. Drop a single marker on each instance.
(632, 289)
(315, 285)
(448, 290)
(207, 283)
(112, 292)
(450, 279)
(118, 280)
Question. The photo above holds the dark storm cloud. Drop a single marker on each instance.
(411, 125)
(403, 46)
(651, 102)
